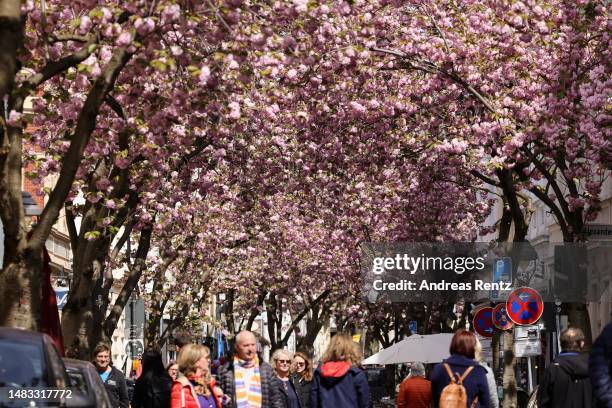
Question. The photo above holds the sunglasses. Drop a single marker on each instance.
(300, 364)
(284, 361)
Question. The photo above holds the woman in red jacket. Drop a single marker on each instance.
(194, 387)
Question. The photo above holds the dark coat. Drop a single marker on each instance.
(600, 366)
(302, 387)
(566, 383)
(152, 392)
(338, 384)
(283, 391)
(475, 383)
(116, 389)
(271, 397)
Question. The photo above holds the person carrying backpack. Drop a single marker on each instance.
(460, 381)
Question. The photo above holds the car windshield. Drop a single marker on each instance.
(21, 364)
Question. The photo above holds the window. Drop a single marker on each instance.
(21, 364)
(58, 247)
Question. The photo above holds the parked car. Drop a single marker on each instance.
(29, 360)
(84, 379)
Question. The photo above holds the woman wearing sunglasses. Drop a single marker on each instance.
(302, 378)
(281, 363)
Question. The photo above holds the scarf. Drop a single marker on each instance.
(251, 397)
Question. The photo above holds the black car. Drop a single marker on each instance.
(30, 367)
(84, 379)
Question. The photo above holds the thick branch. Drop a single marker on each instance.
(551, 181)
(427, 66)
(54, 68)
(70, 163)
(69, 37)
(255, 311)
(71, 225)
(122, 240)
(303, 313)
(144, 244)
(484, 178)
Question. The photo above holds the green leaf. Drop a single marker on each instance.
(92, 235)
(96, 13)
(158, 65)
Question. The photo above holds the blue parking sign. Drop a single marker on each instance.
(502, 272)
(61, 297)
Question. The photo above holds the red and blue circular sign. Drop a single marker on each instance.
(500, 317)
(483, 322)
(524, 306)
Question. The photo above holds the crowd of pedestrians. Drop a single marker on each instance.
(246, 381)
(575, 379)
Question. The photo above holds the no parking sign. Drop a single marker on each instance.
(524, 306)
(483, 322)
(500, 317)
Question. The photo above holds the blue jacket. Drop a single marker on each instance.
(338, 384)
(475, 383)
(600, 367)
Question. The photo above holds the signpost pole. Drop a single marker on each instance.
(558, 328)
(529, 376)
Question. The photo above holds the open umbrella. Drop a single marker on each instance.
(431, 348)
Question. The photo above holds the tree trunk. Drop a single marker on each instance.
(11, 39)
(509, 378)
(81, 313)
(20, 285)
(495, 349)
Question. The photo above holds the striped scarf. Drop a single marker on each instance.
(251, 397)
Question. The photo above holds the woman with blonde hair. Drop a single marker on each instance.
(302, 377)
(338, 382)
(281, 363)
(195, 387)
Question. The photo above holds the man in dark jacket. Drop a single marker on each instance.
(246, 379)
(566, 381)
(113, 379)
(600, 365)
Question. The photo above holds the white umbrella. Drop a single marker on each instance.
(432, 348)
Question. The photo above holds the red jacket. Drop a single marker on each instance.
(184, 396)
(414, 392)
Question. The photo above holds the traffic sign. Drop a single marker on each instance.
(500, 317)
(483, 322)
(527, 341)
(61, 297)
(524, 306)
(502, 272)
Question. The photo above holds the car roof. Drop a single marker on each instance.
(74, 363)
(21, 335)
